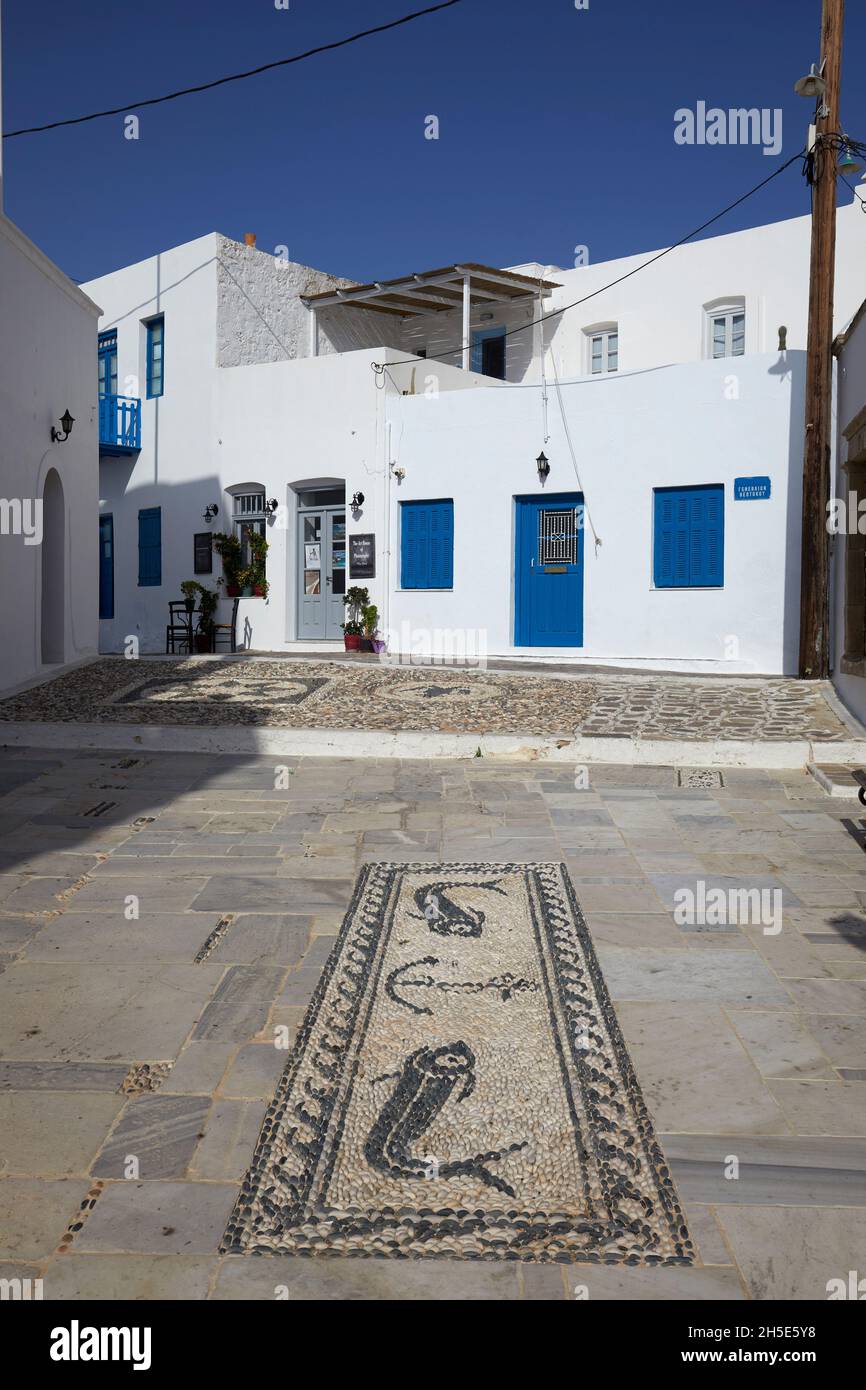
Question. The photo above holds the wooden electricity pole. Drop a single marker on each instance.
(814, 578)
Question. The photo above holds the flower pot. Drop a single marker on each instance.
(366, 644)
(378, 644)
(189, 604)
(247, 591)
(233, 590)
(202, 642)
(351, 642)
(258, 591)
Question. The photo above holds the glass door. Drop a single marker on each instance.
(321, 573)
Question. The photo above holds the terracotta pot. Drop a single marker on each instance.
(233, 590)
(352, 642)
(259, 591)
(202, 642)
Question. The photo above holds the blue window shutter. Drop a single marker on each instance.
(689, 535)
(150, 547)
(427, 545)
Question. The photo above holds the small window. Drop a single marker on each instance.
(725, 329)
(150, 547)
(488, 352)
(156, 357)
(108, 363)
(689, 537)
(203, 553)
(427, 544)
(603, 344)
(250, 518)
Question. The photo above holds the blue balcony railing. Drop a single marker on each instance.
(119, 424)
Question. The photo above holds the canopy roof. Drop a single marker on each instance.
(436, 291)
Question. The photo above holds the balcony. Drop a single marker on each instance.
(119, 424)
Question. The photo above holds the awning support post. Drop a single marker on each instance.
(467, 332)
(314, 332)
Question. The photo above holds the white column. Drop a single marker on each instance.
(467, 332)
(314, 332)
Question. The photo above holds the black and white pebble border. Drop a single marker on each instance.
(628, 1212)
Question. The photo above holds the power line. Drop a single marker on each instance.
(554, 313)
(234, 77)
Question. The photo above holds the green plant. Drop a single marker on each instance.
(229, 550)
(351, 629)
(356, 600)
(190, 588)
(369, 619)
(208, 600)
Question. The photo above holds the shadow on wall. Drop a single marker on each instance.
(791, 366)
(137, 579)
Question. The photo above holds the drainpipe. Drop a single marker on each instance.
(467, 331)
(386, 526)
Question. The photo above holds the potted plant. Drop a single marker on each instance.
(189, 588)
(258, 553)
(229, 550)
(208, 600)
(245, 581)
(354, 601)
(369, 619)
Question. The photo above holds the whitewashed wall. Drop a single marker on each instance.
(851, 378)
(48, 348)
(670, 427)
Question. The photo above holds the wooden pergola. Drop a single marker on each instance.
(433, 292)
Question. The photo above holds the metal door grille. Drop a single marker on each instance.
(557, 537)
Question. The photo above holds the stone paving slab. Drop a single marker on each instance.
(743, 1043)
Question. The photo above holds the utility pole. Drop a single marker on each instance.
(814, 577)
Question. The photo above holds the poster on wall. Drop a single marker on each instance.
(362, 557)
(313, 555)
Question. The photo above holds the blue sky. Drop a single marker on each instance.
(556, 126)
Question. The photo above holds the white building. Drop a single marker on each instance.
(48, 486)
(266, 396)
(848, 519)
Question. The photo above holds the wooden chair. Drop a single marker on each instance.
(225, 632)
(179, 629)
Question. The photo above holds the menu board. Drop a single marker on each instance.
(362, 557)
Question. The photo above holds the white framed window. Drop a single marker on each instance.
(725, 328)
(602, 349)
(248, 516)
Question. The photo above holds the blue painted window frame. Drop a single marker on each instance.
(106, 565)
(150, 548)
(427, 544)
(108, 362)
(479, 337)
(689, 537)
(156, 360)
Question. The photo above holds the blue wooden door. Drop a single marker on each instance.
(106, 566)
(548, 608)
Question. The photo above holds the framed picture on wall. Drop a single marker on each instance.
(203, 553)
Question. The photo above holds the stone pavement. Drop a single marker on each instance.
(308, 694)
(163, 918)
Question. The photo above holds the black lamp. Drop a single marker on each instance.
(271, 507)
(66, 423)
(357, 501)
(210, 512)
(543, 465)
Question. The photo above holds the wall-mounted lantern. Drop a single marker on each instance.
(783, 339)
(66, 423)
(543, 465)
(210, 512)
(357, 501)
(272, 506)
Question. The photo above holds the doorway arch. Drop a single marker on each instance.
(53, 570)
